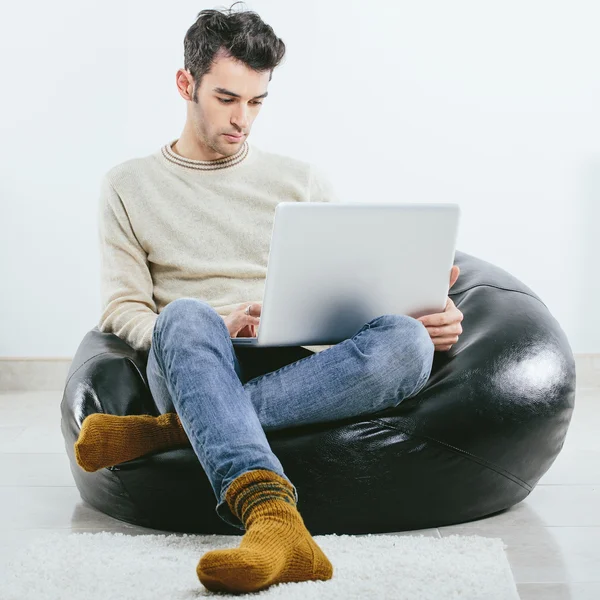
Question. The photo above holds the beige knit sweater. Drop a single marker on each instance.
(172, 227)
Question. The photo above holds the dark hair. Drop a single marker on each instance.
(241, 35)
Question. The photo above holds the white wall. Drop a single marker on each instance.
(494, 105)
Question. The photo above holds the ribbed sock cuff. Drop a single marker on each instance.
(254, 488)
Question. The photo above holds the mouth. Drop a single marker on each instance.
(234, 138)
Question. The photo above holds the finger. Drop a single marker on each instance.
(453, 329)
(444, 340)
(454, 272)
(438, 318)
(442, 335)
(449, 316)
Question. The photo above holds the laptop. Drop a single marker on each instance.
(332, 267)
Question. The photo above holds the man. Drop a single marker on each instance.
(185, 235)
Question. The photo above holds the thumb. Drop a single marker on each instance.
(454, 273)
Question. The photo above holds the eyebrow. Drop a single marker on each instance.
(228, 93)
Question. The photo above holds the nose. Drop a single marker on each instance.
(240, 118)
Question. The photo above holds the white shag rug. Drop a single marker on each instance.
(117, 566)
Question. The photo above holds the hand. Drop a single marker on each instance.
(241, 324)
(444, 328)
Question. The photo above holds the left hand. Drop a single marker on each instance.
(250, 330)
(444, 328)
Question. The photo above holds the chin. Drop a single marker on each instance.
(230, 149)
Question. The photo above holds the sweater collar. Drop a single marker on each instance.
(204, 165)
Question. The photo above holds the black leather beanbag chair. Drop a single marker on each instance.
(489, 423)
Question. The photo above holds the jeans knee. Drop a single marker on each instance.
(184, 308)
(408, 346)
(181, 313)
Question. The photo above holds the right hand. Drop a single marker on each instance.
(240, 324)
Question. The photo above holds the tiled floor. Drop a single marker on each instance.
(553, 536)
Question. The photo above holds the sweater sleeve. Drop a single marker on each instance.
(129, 310)
(321, 189)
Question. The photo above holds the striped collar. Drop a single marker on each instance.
(205, 165)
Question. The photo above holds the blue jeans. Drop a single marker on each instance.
(194, 370)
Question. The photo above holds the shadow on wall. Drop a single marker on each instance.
(587, 304)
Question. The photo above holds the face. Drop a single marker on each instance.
(227, 101)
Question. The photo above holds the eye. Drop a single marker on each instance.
(231, 100)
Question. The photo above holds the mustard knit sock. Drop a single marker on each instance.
(106, 440)
(276, 548)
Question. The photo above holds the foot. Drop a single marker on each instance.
(275, 549)
(106, 440)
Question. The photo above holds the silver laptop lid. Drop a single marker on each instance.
(333, 267)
